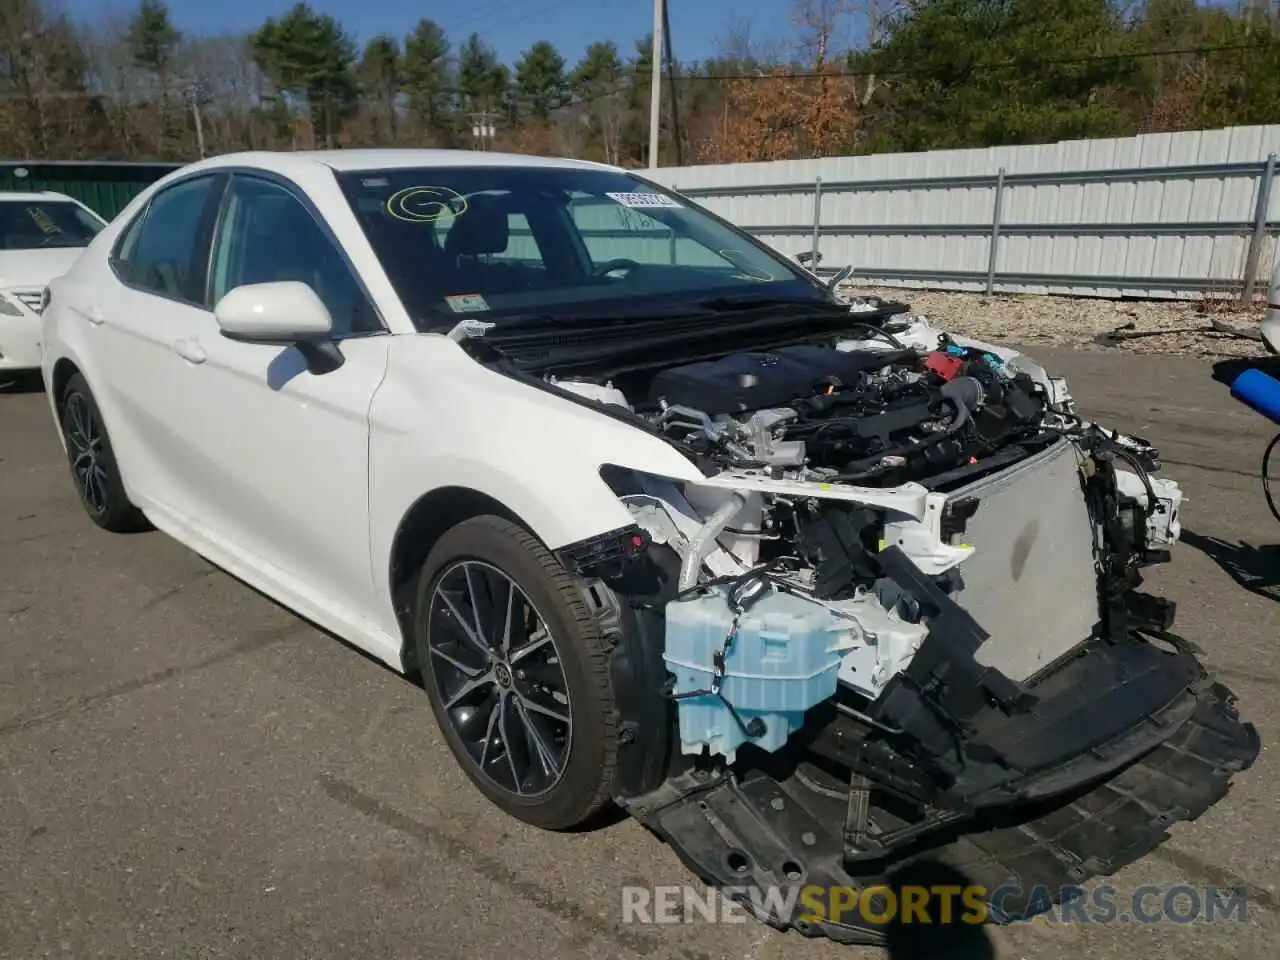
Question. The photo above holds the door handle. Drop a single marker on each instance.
(189, 351)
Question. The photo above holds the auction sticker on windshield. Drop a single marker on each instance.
(639, 201)
(43, 220)
(467, 303)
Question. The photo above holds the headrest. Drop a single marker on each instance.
(482, 228)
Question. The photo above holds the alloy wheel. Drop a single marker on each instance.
(84, 444)
(499, 677)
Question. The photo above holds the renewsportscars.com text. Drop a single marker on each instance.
(879, 905)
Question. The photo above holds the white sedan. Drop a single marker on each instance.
(655, 518)
(41, 235)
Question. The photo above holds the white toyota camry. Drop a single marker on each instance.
(654, 516)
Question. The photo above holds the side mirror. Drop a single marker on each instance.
(282, 313)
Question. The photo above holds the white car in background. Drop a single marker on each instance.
(656, 519)
(41, 235)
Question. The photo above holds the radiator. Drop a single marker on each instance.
(1031, 582)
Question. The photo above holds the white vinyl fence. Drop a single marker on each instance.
(1152, 216)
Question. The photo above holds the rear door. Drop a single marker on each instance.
(141, 329)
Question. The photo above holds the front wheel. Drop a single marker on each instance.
(93, 462)
(517, 673)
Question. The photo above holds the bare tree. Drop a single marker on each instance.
(739, 44)
(832, 29)
(223, 70)
(825, 29)
(111, 70)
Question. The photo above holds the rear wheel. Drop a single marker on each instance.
(93, 463)
(517, 673)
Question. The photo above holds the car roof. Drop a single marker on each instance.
(344, 161)
(32, 196)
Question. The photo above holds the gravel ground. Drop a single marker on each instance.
(1176, 328)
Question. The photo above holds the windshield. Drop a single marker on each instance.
(33, 224)
(494, 242)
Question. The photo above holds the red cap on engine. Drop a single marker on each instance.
(947, 367)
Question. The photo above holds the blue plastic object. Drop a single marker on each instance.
(1259, 391)
(784, 659)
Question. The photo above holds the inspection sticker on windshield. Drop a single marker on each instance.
(467, 303)
(639, 201)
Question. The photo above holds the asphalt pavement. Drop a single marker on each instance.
(189, 770)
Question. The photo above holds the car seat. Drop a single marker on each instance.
(482, 230)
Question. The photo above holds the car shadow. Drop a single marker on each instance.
(610, 816)
(284, 367)
(1226, 371)
(22, 382)
(947, 934)
(1256, 568)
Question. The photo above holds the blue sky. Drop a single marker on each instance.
(511, 26)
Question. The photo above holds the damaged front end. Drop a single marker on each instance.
(899, 618)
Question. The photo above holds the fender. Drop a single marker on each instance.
(544, 465)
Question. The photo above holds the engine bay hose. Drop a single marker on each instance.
(702, 542)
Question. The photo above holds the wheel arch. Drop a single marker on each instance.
(419, 529)
(63, 371)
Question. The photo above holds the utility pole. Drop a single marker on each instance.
(672, 91)
(196, 95)
(482, 129)
(195, 113)
(655, 83)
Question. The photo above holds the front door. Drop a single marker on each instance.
(284, 452)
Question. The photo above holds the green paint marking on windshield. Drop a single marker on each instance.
(425, 204)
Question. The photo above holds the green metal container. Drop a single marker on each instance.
(104, 187)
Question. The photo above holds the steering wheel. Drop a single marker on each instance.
(618, 263)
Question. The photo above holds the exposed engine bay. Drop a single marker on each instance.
(868, 417)
(827, 454)
(905, 595)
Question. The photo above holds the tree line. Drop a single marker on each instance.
(861, 76)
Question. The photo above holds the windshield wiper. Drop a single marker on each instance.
(734, 302)
(746, 301)
(609, 319)
(600, 319)
(561, 349)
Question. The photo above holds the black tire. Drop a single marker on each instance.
(92, 460)
(585, 776)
